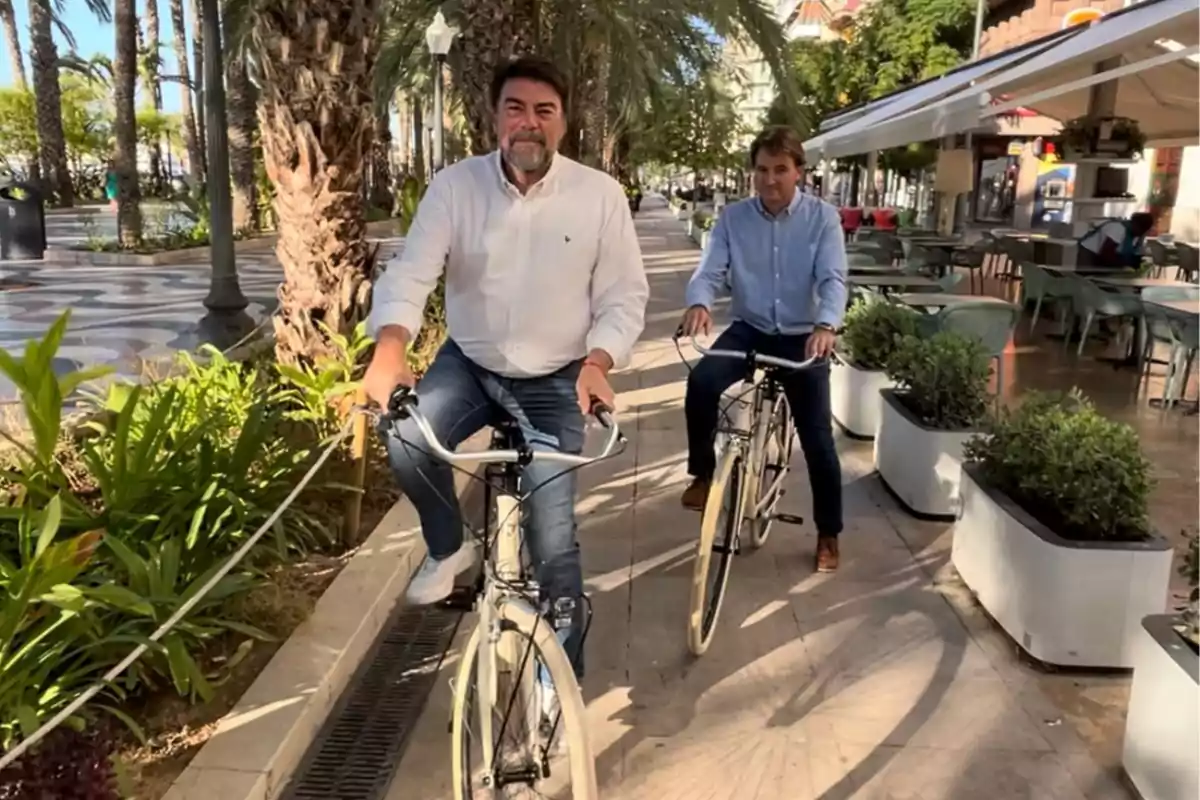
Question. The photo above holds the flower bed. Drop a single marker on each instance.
(110, 526)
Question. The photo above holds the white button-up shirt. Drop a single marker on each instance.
(533, 281)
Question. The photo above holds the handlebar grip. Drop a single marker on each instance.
(601, 410)
(400, 401)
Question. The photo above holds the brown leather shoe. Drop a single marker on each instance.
(695, 496)
(827, 554)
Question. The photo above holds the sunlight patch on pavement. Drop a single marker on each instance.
(619, 577)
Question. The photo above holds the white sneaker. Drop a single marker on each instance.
(434, 581)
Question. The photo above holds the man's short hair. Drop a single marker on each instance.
(534, 68)
(778, 140)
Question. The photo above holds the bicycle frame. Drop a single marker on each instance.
(747, 433)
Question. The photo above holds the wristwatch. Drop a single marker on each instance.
(821, 326)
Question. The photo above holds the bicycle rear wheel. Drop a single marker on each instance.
(773, 463)
(528, 729)
(719, 539)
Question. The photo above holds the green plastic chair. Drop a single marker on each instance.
(990, 323)
(1041, 286)
(1090, 301)
(1189, 262)
(1180, 331)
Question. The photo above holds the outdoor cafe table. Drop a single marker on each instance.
(1191, 307)
(874, 269)
(942, 300)
(1137, 284)
(900, 281)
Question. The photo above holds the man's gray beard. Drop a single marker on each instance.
(528, 160)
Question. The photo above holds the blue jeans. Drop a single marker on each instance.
(458, 398)
(808, 395)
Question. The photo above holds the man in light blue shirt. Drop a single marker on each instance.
(782, 257)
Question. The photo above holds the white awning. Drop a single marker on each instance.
(1158, 81)
(844, 140)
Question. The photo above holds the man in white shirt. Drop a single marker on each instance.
(545, 293)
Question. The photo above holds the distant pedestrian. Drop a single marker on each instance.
(110, 186)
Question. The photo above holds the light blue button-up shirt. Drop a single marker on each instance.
(784, 273)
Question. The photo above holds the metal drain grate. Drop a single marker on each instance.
(357, 751)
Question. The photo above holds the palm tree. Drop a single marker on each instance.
(150, 63)
(8, 18)
(313, 64)
(241, 100)
(190, 141)
(129, 216)
(198, 82)
(52, 146)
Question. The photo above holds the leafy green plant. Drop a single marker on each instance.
(316, 395)
(1079, 473)
(871, 330)
(48, 623)
(407, 200)
(1190, 570)
(942, 379)
(704, 220)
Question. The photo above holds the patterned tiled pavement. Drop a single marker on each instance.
(127, 316)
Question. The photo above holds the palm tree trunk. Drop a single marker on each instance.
(52, 143)
(12, 38)
(317, 120)
(191, 143)
(154, 89)
(381, 163)
(129, 217)
(240, 101)
(8, 18)
(491, 31)
(198, 81)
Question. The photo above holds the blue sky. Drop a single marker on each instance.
(93, 36)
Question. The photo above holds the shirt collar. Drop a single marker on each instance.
(546, 184)
(797, 198)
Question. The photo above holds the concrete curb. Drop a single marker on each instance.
(259, 743)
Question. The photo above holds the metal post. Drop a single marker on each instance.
(962, 203)
(224, 292)
(439, 136)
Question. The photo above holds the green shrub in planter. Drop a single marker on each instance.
(871, 330)
(1190, 570)
(703, 220)
(1077, 472)
(942, 379)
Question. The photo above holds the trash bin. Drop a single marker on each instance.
(22, 222)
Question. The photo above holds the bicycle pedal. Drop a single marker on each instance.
(461, 598)
(789, 519)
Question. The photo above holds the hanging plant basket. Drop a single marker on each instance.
(1104, 137)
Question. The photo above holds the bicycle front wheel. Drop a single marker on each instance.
(524, 721)
(718, 540)
(774, 458)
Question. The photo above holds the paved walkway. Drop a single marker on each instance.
(129, 316)
(881, 681)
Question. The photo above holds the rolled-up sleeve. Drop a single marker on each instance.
(712, 276)
(403, 287)
(830, 269)
(619, 288)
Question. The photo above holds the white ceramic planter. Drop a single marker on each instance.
(854, 396)
(1064, 602)
(1161, 739)
(919, 465)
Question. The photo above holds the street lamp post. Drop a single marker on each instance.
(439, 36)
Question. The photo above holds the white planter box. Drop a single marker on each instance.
(919, 465)
(1064, 602)
(1161, 739)
(854, 394)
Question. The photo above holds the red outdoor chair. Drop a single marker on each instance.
(852, 220)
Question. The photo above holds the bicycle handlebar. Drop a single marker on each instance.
(757, 357)
(403, 405)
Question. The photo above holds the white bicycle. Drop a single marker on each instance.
(755, 437)
(514, 652)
